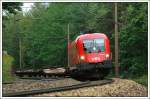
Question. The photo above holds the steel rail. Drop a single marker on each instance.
(7, 82)
(43, 79)
(64, 88)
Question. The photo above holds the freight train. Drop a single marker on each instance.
(90, 56)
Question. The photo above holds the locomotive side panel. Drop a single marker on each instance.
(73, 54)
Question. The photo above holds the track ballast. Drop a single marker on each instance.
(64, 88)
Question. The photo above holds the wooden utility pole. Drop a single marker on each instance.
(116, 43)
(68, 46)
(20, 53)
(17, 30)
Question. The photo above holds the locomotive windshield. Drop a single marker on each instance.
(94, 45)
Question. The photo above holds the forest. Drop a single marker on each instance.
(40, 34)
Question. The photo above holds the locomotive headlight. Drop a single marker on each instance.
(82, 57)
(107, 55)
(94, 48)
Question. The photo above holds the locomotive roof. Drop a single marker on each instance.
(84, 36)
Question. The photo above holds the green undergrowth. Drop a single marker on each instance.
(141, 80)
(6, 68)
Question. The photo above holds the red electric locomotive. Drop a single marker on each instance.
(90, 56)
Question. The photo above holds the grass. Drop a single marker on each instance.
(6, 68)
(141, 80)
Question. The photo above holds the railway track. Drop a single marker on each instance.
(49, 90)
(44, 79)
(37, 79)
(7, 82)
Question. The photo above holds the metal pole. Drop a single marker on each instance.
(68, 46)
(116, 43)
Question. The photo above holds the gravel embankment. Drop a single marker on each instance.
(26, 85)
(120, 87)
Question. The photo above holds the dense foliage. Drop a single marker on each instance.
(43, 33)
(134, 39)
(11, 7)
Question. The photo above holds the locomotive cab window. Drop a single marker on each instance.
(94, 45)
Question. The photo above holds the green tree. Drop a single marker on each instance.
(11, 7)
(133, 39)
(43, 31)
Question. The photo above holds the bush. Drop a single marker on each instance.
(7, 68)
(141, 80)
